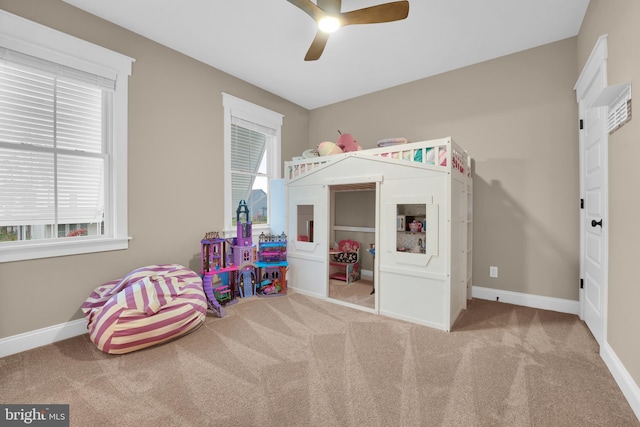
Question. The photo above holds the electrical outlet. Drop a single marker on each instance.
(493, 271)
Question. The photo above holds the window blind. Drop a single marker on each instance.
(44, 67)
(52, 142)
(248, 162)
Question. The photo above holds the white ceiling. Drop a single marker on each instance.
(264, 41)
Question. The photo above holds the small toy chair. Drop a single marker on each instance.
(346, 261)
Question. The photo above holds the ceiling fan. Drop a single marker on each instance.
(329, 17)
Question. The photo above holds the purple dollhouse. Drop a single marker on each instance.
(232, 268)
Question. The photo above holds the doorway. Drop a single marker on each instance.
(353, 216)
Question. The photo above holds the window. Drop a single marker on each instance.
(252, 159)
(411, 226)
(63, 143)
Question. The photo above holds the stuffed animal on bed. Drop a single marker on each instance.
(348, 143)
(328, 148)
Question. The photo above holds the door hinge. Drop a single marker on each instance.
(581, 283)
(581, 203)
(581, 124)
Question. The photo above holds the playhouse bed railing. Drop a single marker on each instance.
(440, 154)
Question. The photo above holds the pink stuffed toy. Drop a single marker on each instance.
(348, 143)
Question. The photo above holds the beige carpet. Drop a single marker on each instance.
(299, 361)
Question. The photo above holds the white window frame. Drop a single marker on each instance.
(30, 38)
(236, 107)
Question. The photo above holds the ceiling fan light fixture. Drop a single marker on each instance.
(329, 18)
(329, 24)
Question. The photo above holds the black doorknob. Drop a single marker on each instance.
(594, 223)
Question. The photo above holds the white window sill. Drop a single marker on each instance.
(20, 251)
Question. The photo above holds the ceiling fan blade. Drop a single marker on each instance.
(331, 7)
(317, 46)
(309, 8)
(387, 12)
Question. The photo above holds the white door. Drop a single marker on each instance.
(593, 189)
(594, 229)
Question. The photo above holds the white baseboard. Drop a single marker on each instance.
(307, 293)
(49, 335)
(527, 300)
(627, 385)
(414, 320)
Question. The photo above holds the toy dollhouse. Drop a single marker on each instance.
(230, 268)
(421, 200)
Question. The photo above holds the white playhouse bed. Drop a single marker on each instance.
(426, 284)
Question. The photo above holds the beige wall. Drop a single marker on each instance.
(517, 116)
(175, 169)
(619, 19)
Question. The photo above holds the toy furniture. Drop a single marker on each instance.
(422, 274)
(346, 261)
(148, 306)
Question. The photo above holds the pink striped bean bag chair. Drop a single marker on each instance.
(150, 305)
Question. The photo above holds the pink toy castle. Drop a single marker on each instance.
(230, 268)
